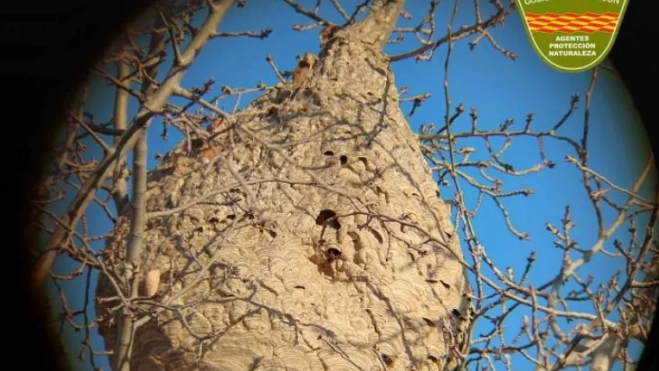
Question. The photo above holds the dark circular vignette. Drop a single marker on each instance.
(638, 67)
(49, 48)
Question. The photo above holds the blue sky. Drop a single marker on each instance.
(499, 88)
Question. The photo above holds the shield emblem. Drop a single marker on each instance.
(572, 35)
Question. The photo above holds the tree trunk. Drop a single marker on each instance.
(316, 239)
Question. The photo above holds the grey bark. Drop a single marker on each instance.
(257, 275)
(125, 339)
(120, 188)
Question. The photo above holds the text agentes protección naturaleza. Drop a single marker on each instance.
(572, 46)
